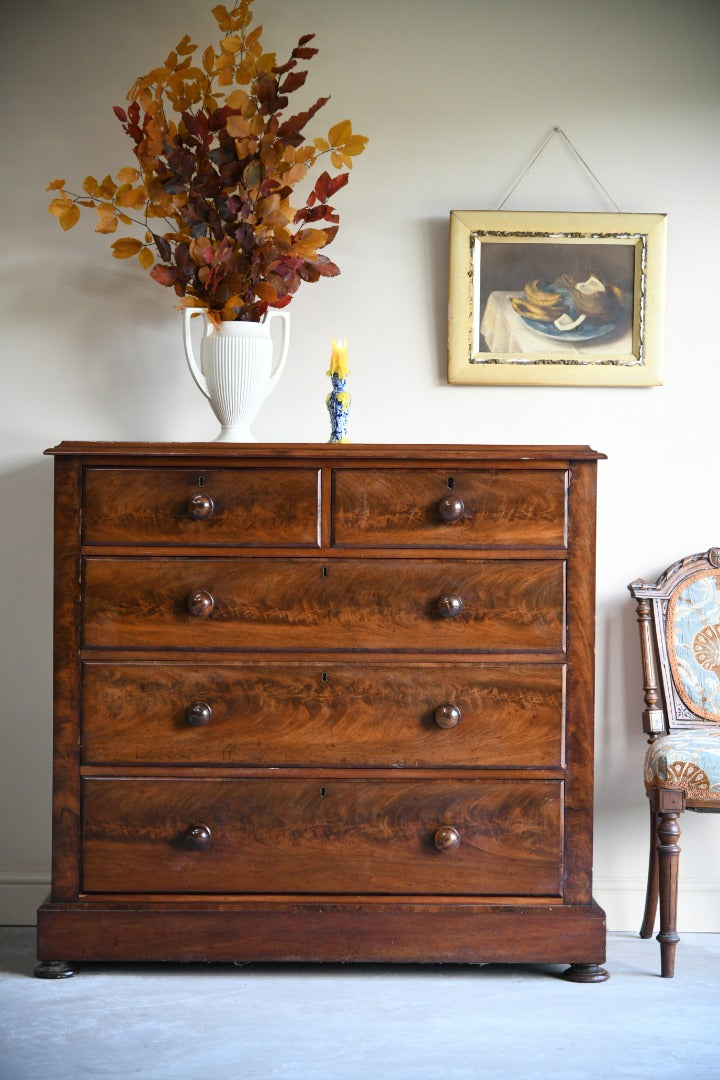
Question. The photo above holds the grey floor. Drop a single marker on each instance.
(286, 1022)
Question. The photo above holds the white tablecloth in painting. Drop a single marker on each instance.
(505, 332)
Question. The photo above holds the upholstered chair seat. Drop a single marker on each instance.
(689, 760)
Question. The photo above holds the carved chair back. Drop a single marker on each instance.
(679, 617)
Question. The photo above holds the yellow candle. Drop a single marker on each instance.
(339, 359)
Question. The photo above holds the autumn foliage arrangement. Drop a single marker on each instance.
(218, 163)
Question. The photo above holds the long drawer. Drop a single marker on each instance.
(312, 713)
(308, 603)
(450, 837)
(237, 506)
(454, 508)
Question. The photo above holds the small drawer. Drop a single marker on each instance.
(323, 714)
(469, 508)
(459, 837)
(307, 603)
(240, 507)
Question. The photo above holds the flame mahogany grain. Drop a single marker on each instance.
(269, 742)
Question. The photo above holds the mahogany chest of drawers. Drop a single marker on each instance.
(323, 703)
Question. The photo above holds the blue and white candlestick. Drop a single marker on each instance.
(338, 400)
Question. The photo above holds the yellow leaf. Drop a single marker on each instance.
(355, 145)
(55, 185)
(321, 145)
(145, 258)
(340, 133)
(126, 247)
(266, 62)
(128, 175)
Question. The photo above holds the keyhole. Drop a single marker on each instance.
(323, 792)
(324, 571)
(201, 480)
(324, 676)
(451, 481)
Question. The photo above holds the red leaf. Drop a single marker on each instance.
(164, 275)
(120, 113)
(294, 81)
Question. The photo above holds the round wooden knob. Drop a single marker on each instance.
(201, 604)
(199, 714)
(198, 837)
(448, 607)
(447, 715)
(451, 508)
(201, 506)
(446, 838)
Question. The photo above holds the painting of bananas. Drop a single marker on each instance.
(557, 299)
(570, 309)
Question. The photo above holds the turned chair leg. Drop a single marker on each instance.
(653, 883)
(668, 832)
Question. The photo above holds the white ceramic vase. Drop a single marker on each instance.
(236, 372)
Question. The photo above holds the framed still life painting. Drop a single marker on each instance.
(556, 299)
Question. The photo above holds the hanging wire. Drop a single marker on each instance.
(557, 131)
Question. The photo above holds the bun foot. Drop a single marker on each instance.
(586, 973)
(54, 969)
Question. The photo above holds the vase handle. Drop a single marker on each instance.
(189, 354)
(284, 316)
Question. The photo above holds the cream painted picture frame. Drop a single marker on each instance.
(556, 299)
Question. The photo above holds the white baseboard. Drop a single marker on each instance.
(622, 900)
(21, 894)
(624, 904)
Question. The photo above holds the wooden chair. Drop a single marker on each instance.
(679, 620)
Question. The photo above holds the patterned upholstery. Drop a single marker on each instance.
(689, 760)
(693, 638)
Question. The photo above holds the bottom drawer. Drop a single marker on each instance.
(452, 837)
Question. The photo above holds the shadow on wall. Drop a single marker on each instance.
(437, 256)
(26, 661)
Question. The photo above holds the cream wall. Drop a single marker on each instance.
(455, 98)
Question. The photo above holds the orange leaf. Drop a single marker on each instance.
(107, 219)
(92, 187)
(264, 291)
(146, 258)
(128, 175)
(186, 47)
(237, 127)
(221, 14)
(55, 185)
(231, 44)
(58, 206)
(126, 247)
(69, 218)
(208, 59)
(67, 213)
